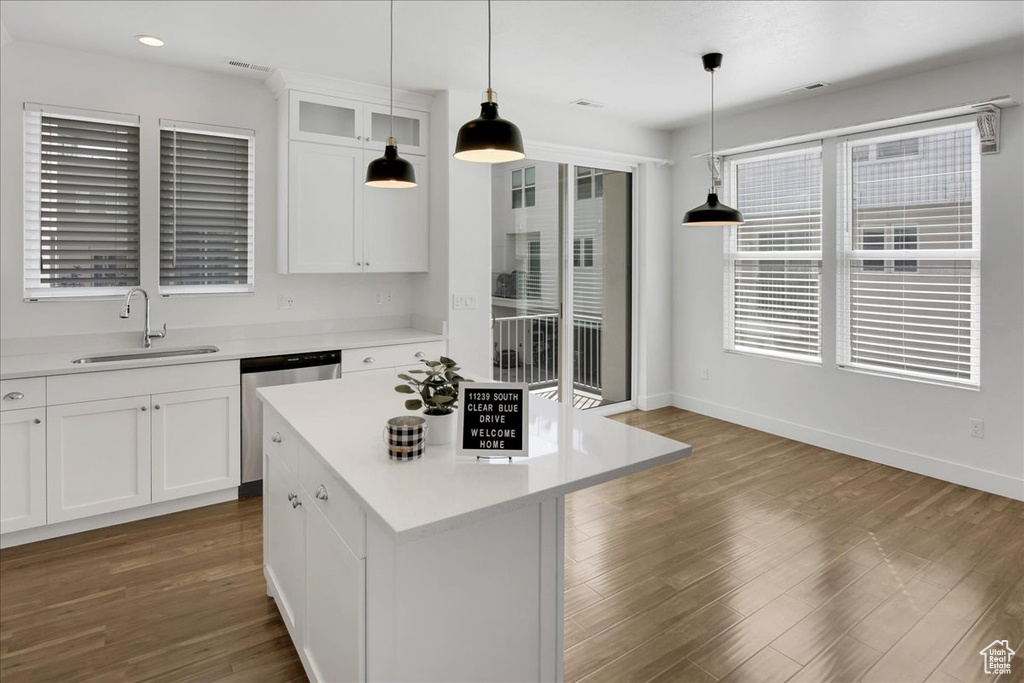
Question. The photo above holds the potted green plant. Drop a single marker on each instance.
(438, 391)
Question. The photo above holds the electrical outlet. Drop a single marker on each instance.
(463, 301)
(285, 302)
(704, 373)
(384, 298)
(977, 428)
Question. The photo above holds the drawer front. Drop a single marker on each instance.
(396, 355)
(279, 440)
(334, 500)
(29, 392)
(98, 386)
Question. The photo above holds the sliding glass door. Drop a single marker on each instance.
(562, 281)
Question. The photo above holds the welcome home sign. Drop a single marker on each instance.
(494, 419)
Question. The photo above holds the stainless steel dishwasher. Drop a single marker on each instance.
(269, 371)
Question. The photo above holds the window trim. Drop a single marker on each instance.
(167, 291)
(845, 253)
(32, 289)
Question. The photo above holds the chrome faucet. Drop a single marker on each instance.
(147, 335)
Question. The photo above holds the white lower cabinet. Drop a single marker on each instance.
(195, 442)
(335, 611)
(319, 583)
(97, 457)
(285, 552)
(22, 469)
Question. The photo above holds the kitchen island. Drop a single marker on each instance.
(444, 568)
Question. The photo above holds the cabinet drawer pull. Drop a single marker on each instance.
(37, 421)
(419, 354)
(321, 492)
(296, 503)
(369, 359)
(276, 438)
(14, 396)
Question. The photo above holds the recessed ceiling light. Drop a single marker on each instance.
(151, 41)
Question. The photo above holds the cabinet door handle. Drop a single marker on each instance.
(276, 438)
(369, 359)
(359, 263)
(321, 492)
(419, 354)
(144, 408)
(37, 421)
(156, 407)
(291, 497)
(296, 503)
(367, 263)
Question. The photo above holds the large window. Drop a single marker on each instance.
(916, 191)
(773, 260)
(81, 223)
(206, 209)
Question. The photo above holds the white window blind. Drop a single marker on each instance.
(773, 261)
(911, 194)
(81, 203)
(207, 210)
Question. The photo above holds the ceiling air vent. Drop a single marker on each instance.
(817, 85)
(592, 104)
(243, 64)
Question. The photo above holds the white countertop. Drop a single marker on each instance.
(342, 420)
(60, 363)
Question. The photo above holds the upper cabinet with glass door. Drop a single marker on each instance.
(340, 121)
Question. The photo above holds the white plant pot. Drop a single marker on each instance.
(440, 429)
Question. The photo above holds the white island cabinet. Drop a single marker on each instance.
(440, 569)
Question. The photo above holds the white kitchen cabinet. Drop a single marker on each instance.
(98, 457)
(22, 469)
(285, 544)
(195, 442)
(325, 214)
(410, 129)
(335, 645)
(394, 235)
(329, 221)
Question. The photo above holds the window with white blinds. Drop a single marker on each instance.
(207, 219)
(773, 260)
(81, 203)
(909, 260)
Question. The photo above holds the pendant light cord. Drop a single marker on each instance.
(392, 71)
(711, 160)
(488, 45)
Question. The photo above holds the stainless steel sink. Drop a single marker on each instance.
(148, 353)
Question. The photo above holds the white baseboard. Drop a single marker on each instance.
(655, 401)
(984, 480)
(74, 526)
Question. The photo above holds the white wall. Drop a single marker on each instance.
(915, 426)
(50, 75)
(469, 197)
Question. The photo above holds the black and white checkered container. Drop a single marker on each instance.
(406, 437)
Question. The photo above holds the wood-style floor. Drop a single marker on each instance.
(758, 559)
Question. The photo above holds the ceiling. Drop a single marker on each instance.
(641, 59)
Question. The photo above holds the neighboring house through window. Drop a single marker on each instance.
(524, 187)
(589, 183)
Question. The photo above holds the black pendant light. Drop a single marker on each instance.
(391, 171)
(489, 139)
(713, 212)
